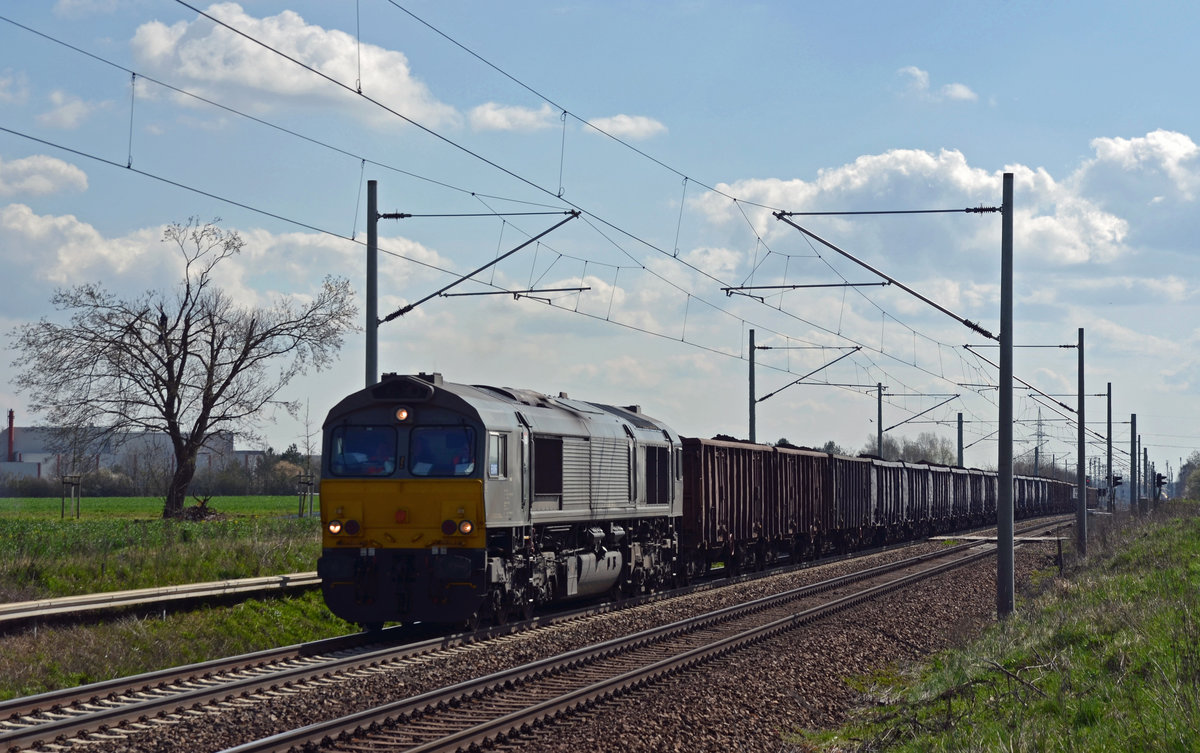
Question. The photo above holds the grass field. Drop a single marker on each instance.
(124, 543)
(141, 508)
(36, 661)
(119, 544)
(1104, 659)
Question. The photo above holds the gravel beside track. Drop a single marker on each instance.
(740, 703)
(753, 699)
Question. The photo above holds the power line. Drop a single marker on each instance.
(630, 235)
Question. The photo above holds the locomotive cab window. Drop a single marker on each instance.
(442, 451)
(497, 455)
(363, 451)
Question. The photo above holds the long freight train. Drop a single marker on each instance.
(451, 503)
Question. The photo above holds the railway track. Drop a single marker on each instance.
(497, 708)
(131, 704)
(20, 612)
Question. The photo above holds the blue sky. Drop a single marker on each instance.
(676, 128)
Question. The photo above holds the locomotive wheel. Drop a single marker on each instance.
(499, 607)
(471, 624)
(616, 594)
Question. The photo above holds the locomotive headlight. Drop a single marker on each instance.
(465, 527)
(449, 527)
(402, 414)
(334, 527)
(351, 528)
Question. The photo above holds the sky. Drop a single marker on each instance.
(678, 130)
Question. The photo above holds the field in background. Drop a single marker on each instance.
(123, 543)
(92, 508)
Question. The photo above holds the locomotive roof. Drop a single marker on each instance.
(544, 412)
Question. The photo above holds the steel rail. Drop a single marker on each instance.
(20, 611)
(324, 732)
(175, 688)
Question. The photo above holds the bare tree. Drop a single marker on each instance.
(927, 447)
(185, 364)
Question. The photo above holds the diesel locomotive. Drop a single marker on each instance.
(452, 503)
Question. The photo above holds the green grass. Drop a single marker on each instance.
(38, 661)
(116, 546)
(107, 508)
(120, 544)
(1104, 659)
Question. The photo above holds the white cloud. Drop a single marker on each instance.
(65, 251)
(214, 59)
(634, 127)
(918, 84)
(719, 262)
(1161, 162)
(39, 175)
(495, 117)
(960, 92)
(14, 88)
(68, 111)
(1056, 225)
(918, 80)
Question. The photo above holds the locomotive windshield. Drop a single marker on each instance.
(363, 451)
(442, 451)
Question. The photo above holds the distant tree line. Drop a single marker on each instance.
(270, 473)
(928, 447)
(1189, 477)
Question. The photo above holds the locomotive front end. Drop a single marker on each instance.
(402, 506)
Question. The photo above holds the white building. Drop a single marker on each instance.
(35, 453)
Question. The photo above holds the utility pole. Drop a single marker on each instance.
(372, 284)
(1109, 474)
(1005, 586)
(1147, 471)
(1134, 488)
(1080, 467)
(879, 420)
(752, 400)
(1037, 447)
(960, 441)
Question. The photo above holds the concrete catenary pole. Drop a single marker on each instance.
(1004, 508)
(1108, 483)
(372, 323)
(879, 420)
(1146, 471)
(1133, 463)
(1081, 467)
(752, 404)
(960, 441)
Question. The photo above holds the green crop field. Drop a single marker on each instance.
(119, 544)
(107, 508)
